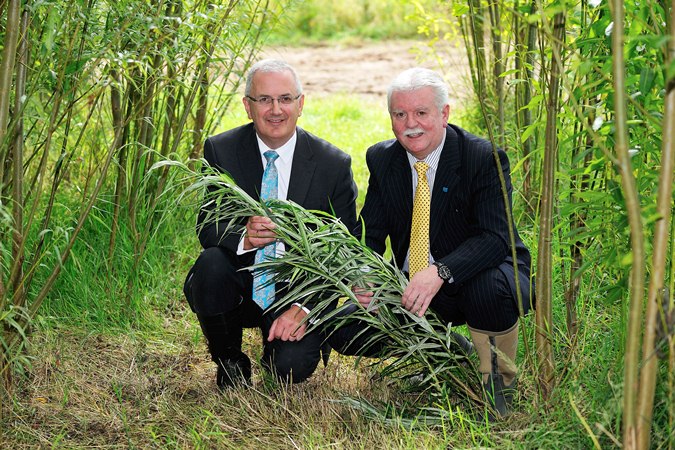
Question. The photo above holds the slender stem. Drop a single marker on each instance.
(544, 314)
(17, 156)
(636, 234)
(647, 381)
(6, 71)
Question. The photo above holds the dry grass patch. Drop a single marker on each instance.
(158, 391)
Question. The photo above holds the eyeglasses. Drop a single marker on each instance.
(267, 100)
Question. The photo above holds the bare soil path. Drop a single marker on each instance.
(365, 69)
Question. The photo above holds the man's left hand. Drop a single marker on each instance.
(287, 326)
(422, 288)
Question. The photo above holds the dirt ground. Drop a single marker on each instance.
(367, 68)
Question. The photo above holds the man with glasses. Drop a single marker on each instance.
(271, 157)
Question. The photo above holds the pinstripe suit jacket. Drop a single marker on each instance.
(468, 225)
(321, 179)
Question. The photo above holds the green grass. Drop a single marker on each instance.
(306, 22)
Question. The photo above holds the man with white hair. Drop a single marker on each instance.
(435, 192)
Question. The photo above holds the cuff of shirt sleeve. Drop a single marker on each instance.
(240, 247)
(306, 310)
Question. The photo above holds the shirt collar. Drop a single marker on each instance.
(431, 159)
(285, 151)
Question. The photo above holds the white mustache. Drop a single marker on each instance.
(413, 131)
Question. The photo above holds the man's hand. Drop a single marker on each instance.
(259, 232)
(421, 290)
(363, 295)
(287, 326)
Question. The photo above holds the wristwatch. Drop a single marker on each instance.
(443, 271)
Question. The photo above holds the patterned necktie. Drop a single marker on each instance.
(419, 233)
(263, 284)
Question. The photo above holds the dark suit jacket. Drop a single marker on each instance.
(321, 178)
(468, 225)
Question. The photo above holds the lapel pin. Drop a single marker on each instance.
(445, 189)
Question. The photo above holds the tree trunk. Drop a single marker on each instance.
(530, 142)
(630, 387)
(544, 315)
(577, 221)
(174, 8)
(647, 380)
(6, 71)
(498, 67)
(118, 149)
(477, 30)
(525, 35)
(200, 116)
(17, 158)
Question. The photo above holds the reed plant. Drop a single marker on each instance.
(324, 261)
(591, 126)
(90, 93)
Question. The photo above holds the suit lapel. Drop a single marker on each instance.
(445, 182)
(400, 184)
(302, 169)
(250, 164)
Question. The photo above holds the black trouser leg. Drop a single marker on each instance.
(291, 361)
(223, 333)
(214, 290)
(220, 293)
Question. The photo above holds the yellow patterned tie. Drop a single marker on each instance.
(419, 233)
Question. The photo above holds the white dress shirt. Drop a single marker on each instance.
(284, 163)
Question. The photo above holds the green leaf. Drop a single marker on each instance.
(647, 76)
(528, 132)
(50, 30)
(75, 66)
(459, 9)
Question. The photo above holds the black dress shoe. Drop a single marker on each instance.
(234, 372)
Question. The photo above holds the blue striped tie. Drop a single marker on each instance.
(263, 284)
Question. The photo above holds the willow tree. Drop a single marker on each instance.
(91, 85)
(544, 314)
(605, 184)
(660, 308)
(637, 238)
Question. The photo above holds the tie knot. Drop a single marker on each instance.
(421, 168)
(270, 156)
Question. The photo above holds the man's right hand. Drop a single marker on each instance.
(259, 232)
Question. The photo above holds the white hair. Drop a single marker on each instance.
(418, 78)
(274, 66)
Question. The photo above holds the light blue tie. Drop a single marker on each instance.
(263, 286)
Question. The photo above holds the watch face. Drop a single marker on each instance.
(443, 271)
(446, 272)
